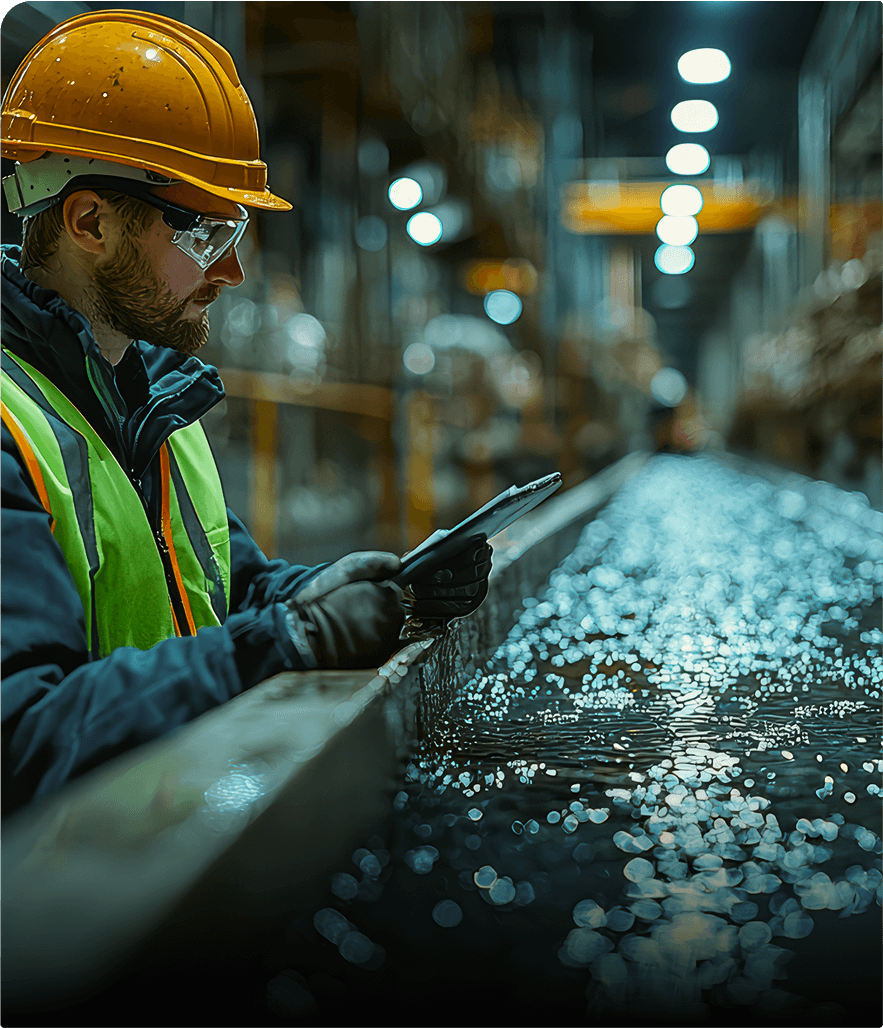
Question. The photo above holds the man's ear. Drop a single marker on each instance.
(83, 215)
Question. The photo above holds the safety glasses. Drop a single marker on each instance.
(203, 237)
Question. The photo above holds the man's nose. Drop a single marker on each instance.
(226, 271)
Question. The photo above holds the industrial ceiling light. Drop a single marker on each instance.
(687, 159)
(704, 66)
(677, 231)
(668, 387)
(681, 201)
(694, 116)
(674, 260)
(503, 306)
(419, 359)
(405, 193)
(425, 228)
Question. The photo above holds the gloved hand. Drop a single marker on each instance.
(351, 616)
(457, 588)
(348, 616)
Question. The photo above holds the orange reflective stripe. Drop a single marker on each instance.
(167, 532)
(27, 451)
(175, 619)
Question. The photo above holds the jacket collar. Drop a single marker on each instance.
(176, 389)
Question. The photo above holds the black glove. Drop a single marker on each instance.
(455, 589)
(346, 617)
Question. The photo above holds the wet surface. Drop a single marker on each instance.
(658, 802)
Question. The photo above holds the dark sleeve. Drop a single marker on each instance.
(256, 581)
(258, 590)
(64, 714)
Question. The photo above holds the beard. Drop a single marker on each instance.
(128, 296)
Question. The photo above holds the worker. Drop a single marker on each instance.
(133, 599)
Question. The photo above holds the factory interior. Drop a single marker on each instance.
(526, 238)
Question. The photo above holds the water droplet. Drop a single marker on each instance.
(344, 886)
(356, 948)
(743, 912)
(502, 891)
(583, 945)
(331, 924)
(447, 914)
(524, 894)
(587, 914)
(797, 925)
(638, 870)
(646, 909)
(485, 877)
(584, 853)
(620, 920)
(421, 859)
(370, 866)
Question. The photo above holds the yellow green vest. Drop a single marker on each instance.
(99, 520)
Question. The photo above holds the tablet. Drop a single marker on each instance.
(493, 517)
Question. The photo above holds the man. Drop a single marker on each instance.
(133, 601)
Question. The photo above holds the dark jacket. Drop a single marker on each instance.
(63, 713)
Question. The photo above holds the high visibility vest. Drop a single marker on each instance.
(99, 520)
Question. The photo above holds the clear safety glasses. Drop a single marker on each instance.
(203, 237)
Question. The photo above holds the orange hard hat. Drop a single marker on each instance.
(142, 90)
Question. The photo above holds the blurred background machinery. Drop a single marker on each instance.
(488, 276)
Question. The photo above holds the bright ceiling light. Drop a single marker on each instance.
(677, 231)
(694, 116)
(705, 66)
(502, 306)
(668, 387)
(419, 359)
(674, 260)
(405, 193)
(681, 201)
(687, 159)
(425, 228)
